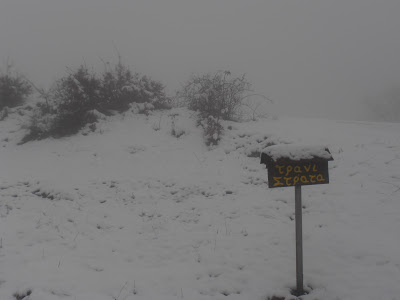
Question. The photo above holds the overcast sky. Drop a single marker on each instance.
(313, 57)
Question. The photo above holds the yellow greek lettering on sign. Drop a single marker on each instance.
(288, 170)
(278, 181)
(312, 178)
(304, 179)
(287, 180)
(280, 169)
(293, 174)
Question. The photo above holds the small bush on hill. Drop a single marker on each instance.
(40, 123)
(219, 95)
(14, 88)
(73, 97)
(216, 97)
(78, 99)
(120, 88)
(153, 92)
(212, 130)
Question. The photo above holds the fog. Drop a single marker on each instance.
(318, 58)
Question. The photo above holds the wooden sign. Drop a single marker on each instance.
(286, 170)
(294, 165)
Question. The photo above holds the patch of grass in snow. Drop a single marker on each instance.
(22, 295)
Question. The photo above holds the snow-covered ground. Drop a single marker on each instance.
(131, 212)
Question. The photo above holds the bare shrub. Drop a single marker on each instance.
(218, 95)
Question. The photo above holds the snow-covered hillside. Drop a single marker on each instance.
(131, 212)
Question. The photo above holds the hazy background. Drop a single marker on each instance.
(318, 58)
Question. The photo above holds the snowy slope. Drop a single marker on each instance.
(131, 213)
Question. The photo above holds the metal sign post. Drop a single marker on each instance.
(299, 240)
(293, 165)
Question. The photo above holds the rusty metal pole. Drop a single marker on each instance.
(299, 240)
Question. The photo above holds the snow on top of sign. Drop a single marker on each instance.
(297, 152)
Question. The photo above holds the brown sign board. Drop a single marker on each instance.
(296, 170)
(297, 165)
